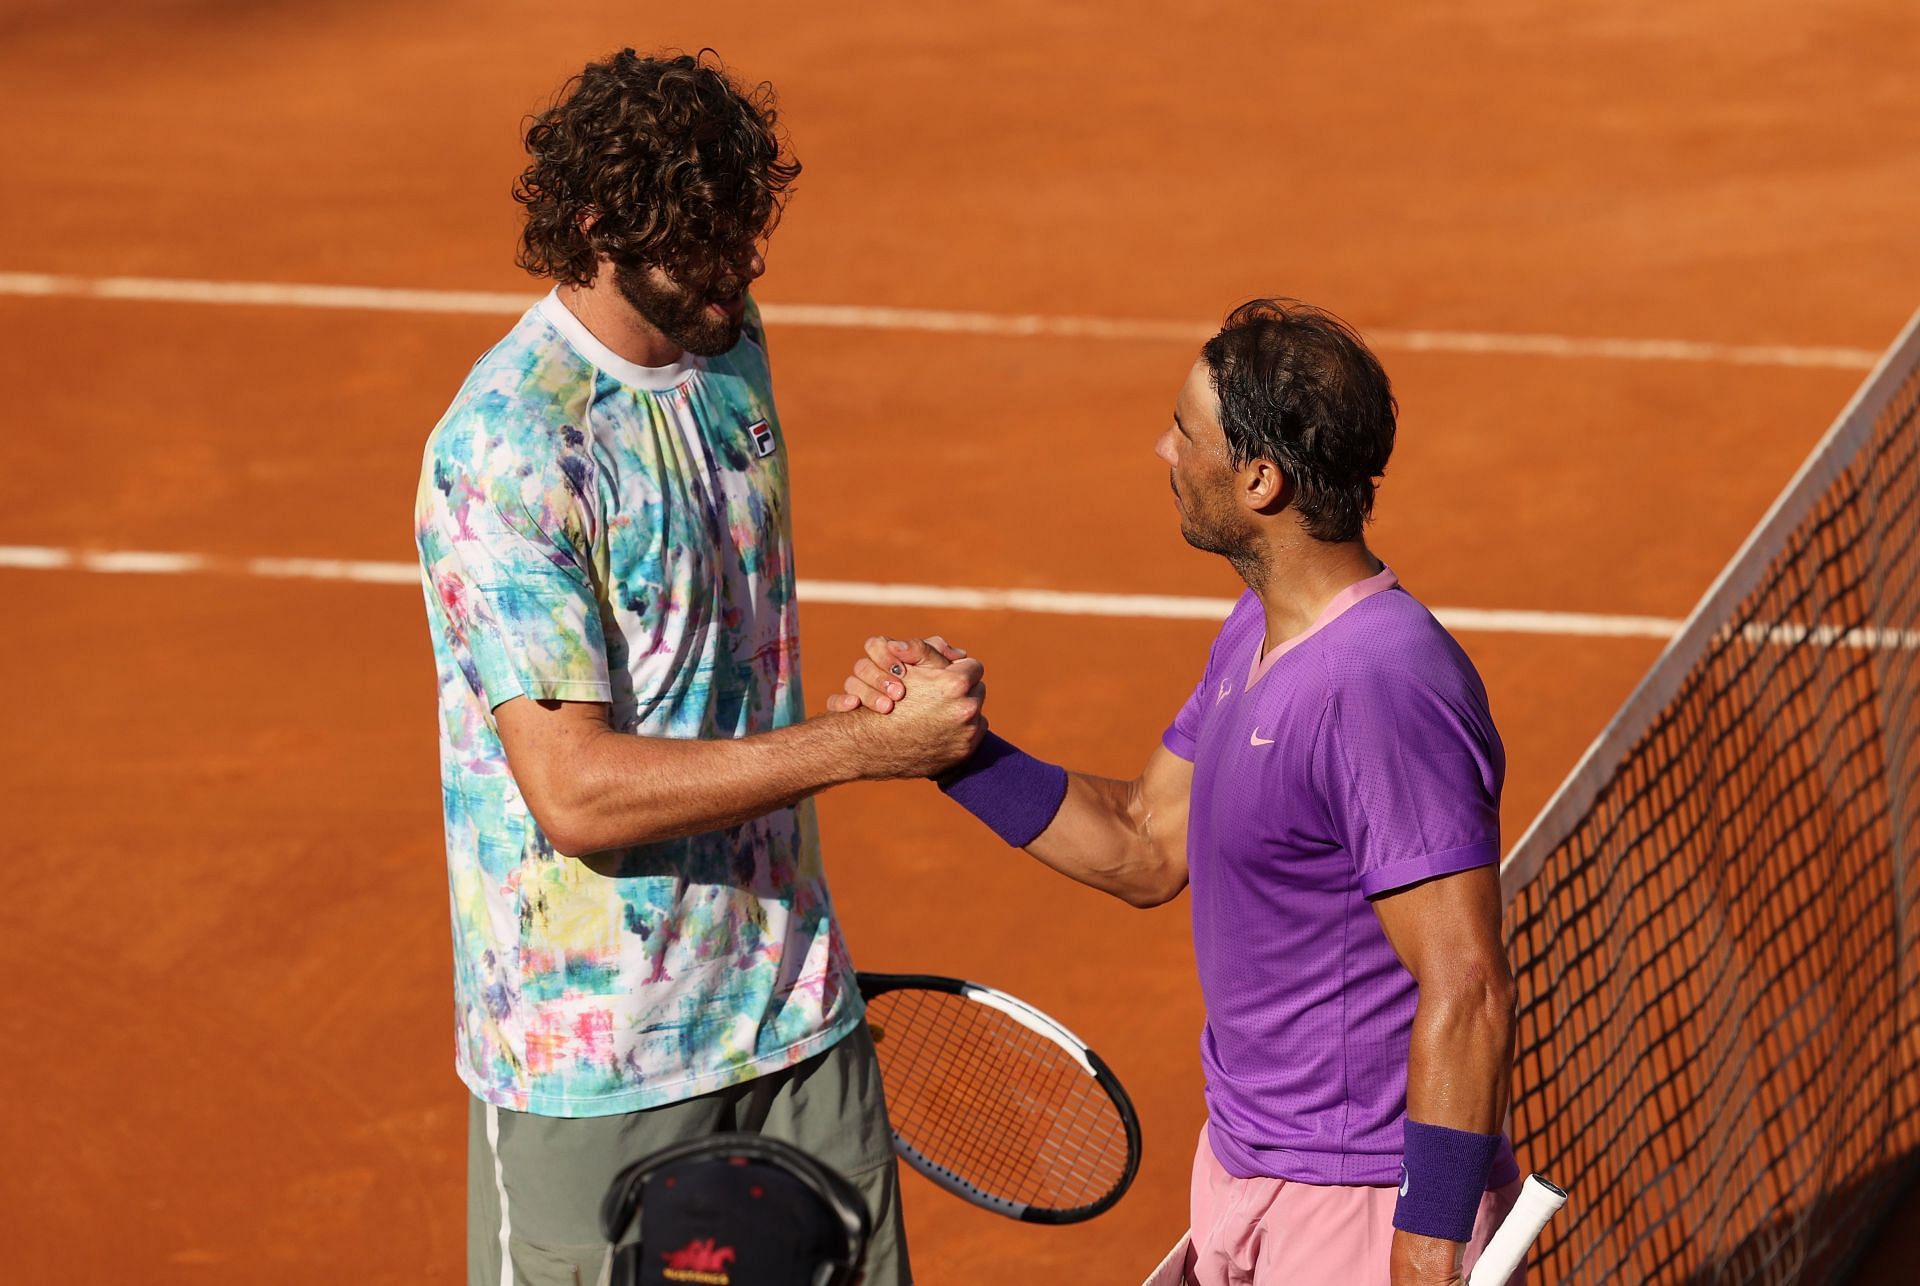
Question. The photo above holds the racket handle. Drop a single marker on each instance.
(1537, 1203)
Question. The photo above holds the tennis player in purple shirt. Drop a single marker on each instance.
(1330, 791)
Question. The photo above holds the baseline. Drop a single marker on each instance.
(1054, 602)
(925, 320)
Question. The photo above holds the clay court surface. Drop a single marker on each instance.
(229, 1053)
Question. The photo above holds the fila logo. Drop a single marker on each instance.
(763, 440)
(1257, 740)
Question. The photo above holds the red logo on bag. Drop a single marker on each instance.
(702, 1262)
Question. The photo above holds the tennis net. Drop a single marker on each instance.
(1714, 922)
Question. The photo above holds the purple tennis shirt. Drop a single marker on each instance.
(1353, 760)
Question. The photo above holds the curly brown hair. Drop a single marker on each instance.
(653, 162)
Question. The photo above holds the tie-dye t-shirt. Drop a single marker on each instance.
(593, 530)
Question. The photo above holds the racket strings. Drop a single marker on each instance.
(1006, 1108)
(1003, 1141)
(962, 1119)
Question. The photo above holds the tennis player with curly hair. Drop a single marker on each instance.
(644, 947)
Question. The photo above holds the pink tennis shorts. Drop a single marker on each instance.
(1270, 1232)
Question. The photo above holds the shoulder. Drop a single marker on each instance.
(520, 410)
(1392, 638)
(1393, 661)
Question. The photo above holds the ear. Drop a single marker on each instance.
(588, 216)
(1263, 488)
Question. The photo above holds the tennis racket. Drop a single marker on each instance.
(998, 1103)
(1510, 1242)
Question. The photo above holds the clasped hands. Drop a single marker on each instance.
(919, 703)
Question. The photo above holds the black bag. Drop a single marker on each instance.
(733, 1210)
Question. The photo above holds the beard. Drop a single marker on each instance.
(680, 314)
(1208, 540)
(1214, 528)
(1200, 527)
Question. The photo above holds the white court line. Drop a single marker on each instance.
(923, 320)
(1052, 602)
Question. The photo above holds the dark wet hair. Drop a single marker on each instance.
(678, 167)
(1298, 387)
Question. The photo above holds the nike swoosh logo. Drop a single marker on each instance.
(1257, 740)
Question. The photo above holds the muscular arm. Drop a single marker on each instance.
(1127, 838)
(1447, 932)
(592, 788)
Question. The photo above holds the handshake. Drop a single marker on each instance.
(914, 708)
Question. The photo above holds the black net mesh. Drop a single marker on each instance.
(1718, 1052)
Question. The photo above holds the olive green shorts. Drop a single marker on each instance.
(535, 1183)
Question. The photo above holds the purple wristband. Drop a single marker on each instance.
(1442, 1179)
(1007, 788)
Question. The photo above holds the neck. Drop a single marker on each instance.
(1296, 576)
(605, 312)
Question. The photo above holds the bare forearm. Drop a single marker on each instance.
(1459, 1064)
(1107, 838)
(1446, 931)
(621, 789)
(1461, 1055)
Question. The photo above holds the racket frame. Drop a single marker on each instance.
(1041, 1024)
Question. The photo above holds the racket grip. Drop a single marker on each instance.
(1537, 1203)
